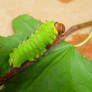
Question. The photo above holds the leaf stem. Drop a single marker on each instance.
(82, 43)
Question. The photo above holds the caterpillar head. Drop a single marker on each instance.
(60, 28)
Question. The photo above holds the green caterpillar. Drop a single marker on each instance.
(37, 43)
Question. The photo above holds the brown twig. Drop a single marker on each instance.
(77, 27)
(15, 72)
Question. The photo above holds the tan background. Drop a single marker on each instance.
(73, 12)
(69, 12)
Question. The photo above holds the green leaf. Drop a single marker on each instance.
(63, 69)
(23, 25)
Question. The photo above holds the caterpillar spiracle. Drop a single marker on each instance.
(37, 43)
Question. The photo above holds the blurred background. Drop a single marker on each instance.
(69, 12)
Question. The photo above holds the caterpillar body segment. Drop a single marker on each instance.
(35, 46)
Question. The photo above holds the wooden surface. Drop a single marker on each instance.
(69, 12)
